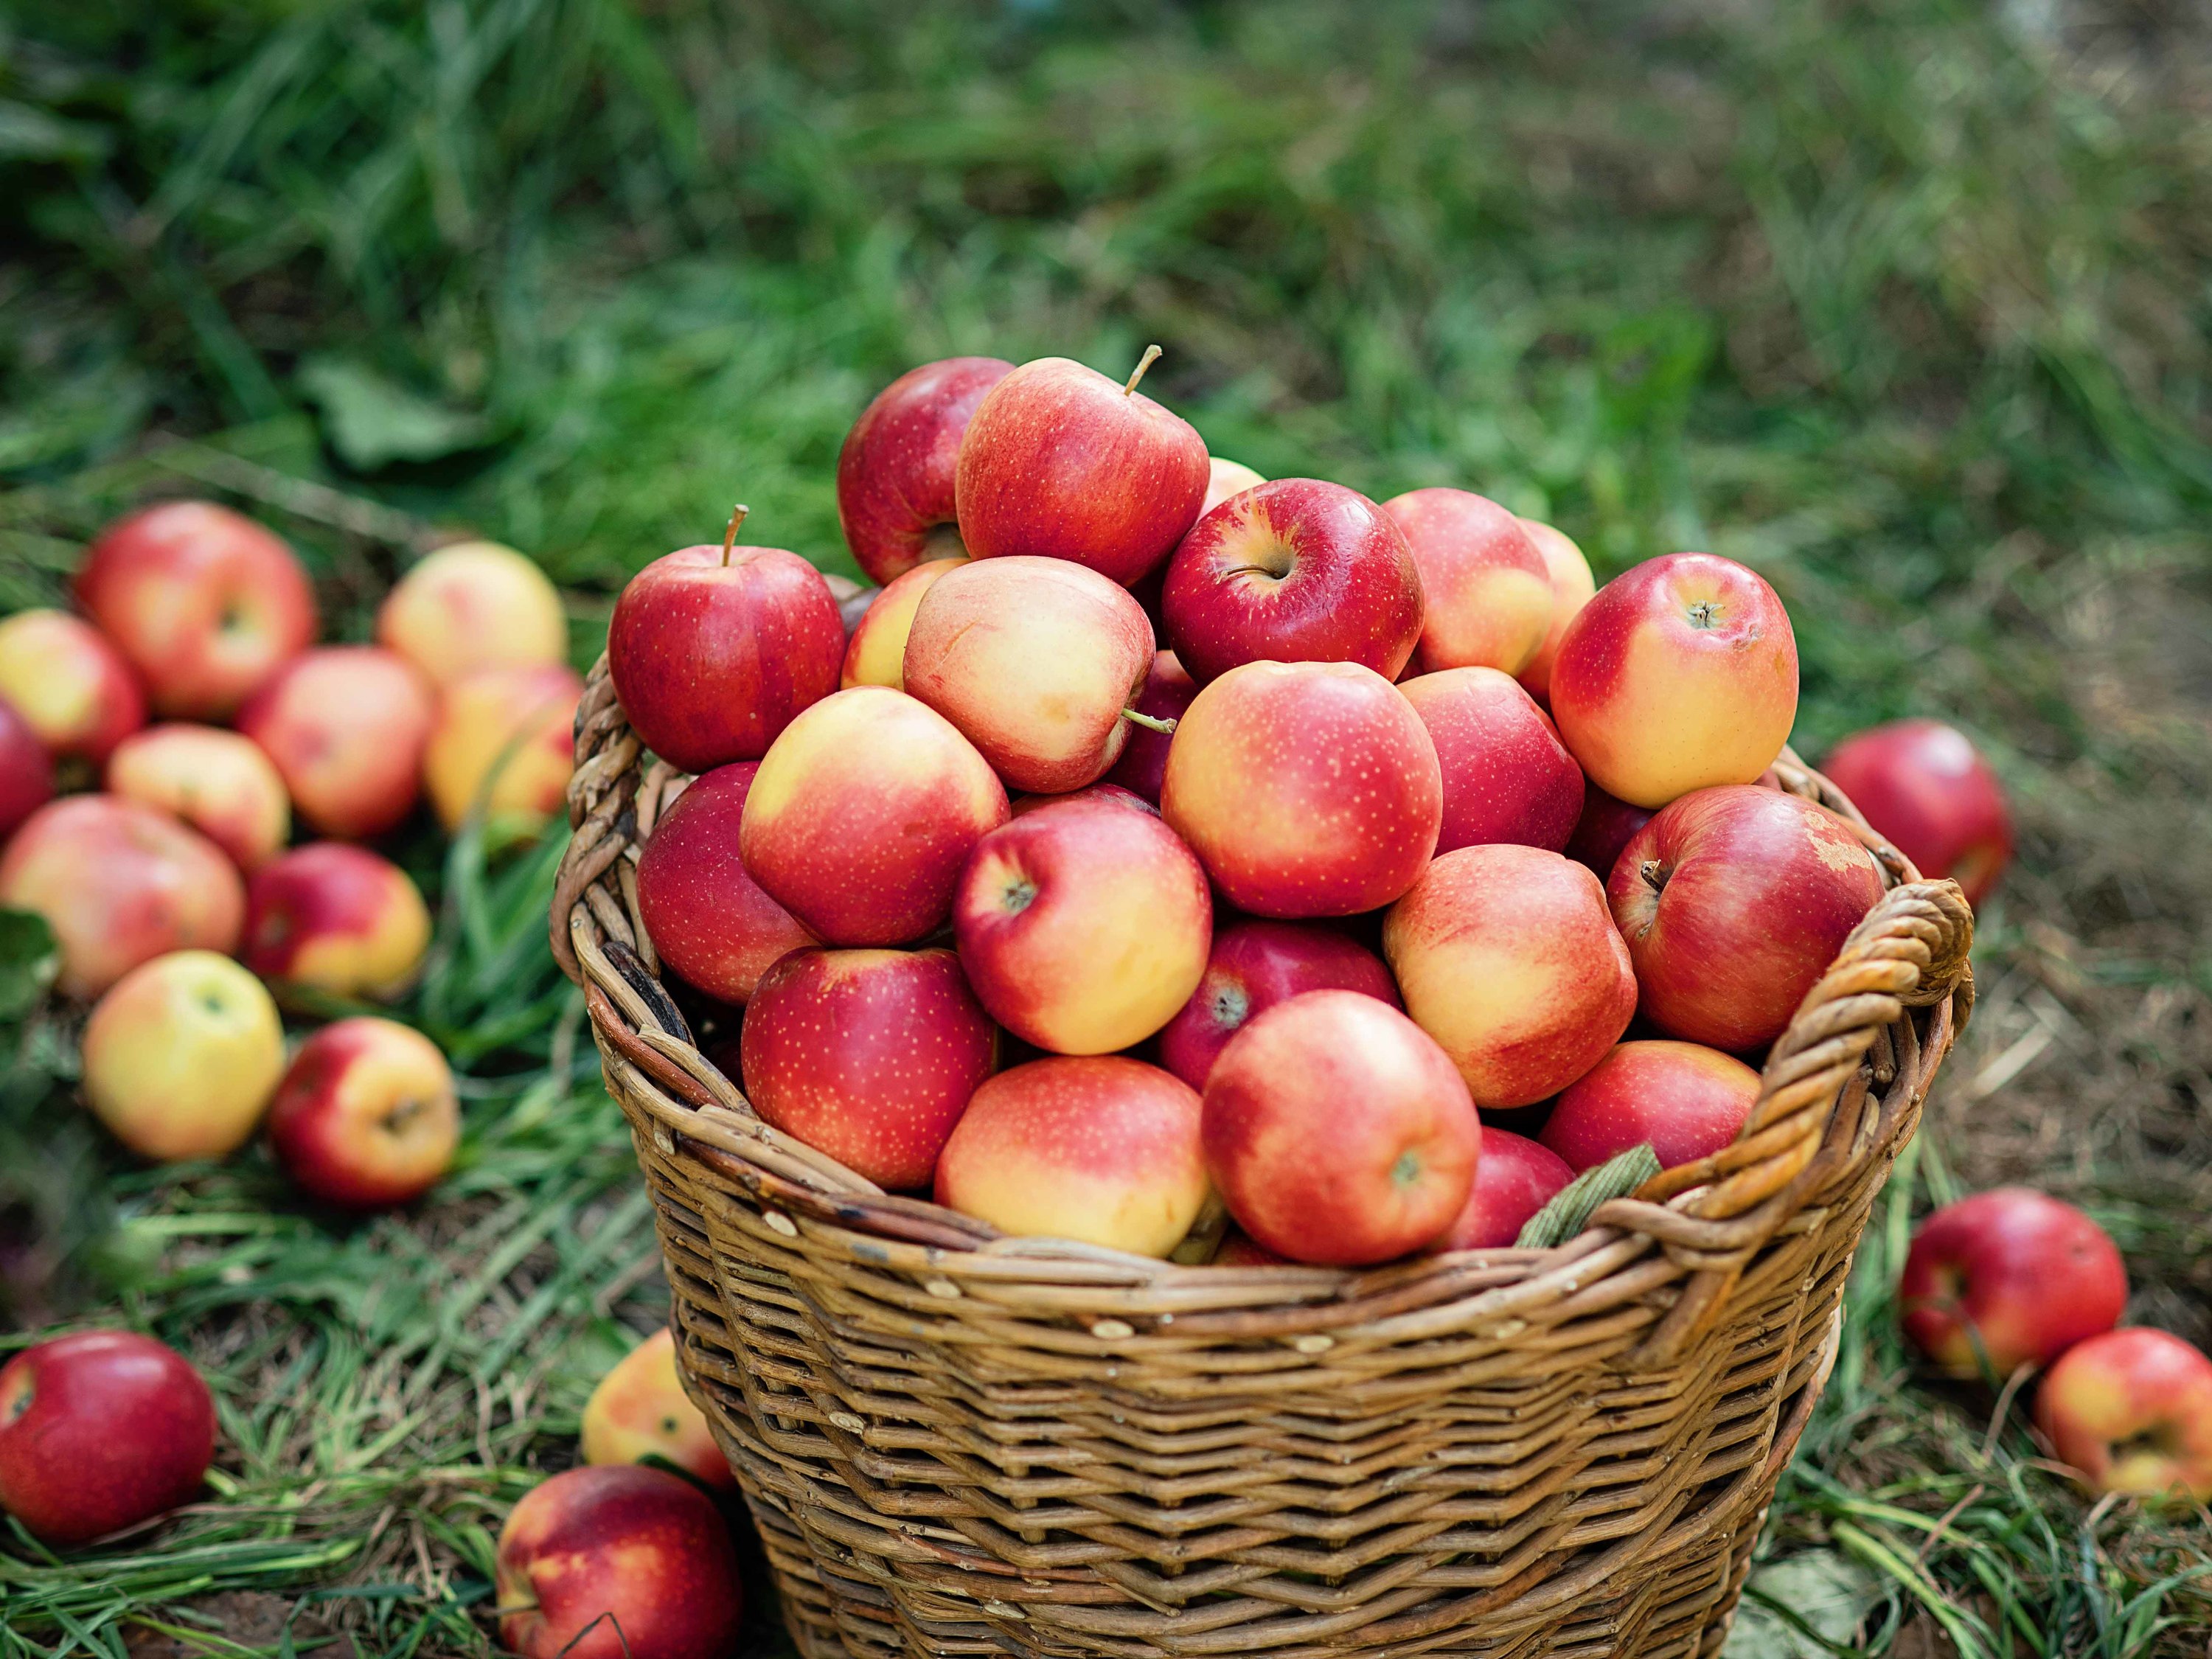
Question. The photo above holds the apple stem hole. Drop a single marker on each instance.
(730, 536)
(1654, 874)
(1151, 355)
(1149, 722)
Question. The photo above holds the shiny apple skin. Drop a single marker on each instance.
(1142, 765)
(707, 918)
(70, 686)
(1255, 964)
(2011, 1275)
(897, 469)
(1921, 784)
(1572, 587)
(1507, 776)
(639, 1410)
(2132, 1409)
(346, 726)
(26, 772)
(1487, 590)
(1515, 1178)
(1604, 829)
(1686, 1101)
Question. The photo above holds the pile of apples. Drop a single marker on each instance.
(171, 888)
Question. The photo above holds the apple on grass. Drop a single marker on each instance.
(182, 1055)
(219, 782)
(1680, 674)
(868, 1055)
(1165, 694)
(1100, 1149)
(471, 606)
(1734, 901)
(1507, 776)
(1921, 784)
(26, 772)
(1255, 964)
(1306, 789)
(1337, 1131)
(1604, 829)
(617, 1561)
(706, 917)
(1083, 926)
(101, 1430)
(1572, 585)
(895, 470)
(1062, 462)
(863, 812)
(876, 653)
(1515, 1178)
(1488, 591)
(1225, 479)
(70, 686)
(119, 884)
(346, 725)
(336, 919)
(504, 740)
(1296, 570)
(205, 604)
(639, 1410)
(2132, 1409)
(366, 1116)
(2008, 1277)
(1683, 1100)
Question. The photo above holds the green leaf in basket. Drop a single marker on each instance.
(1569, 1209)
(29, 961)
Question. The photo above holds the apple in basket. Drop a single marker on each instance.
(1507, 776)
(1684, 1101)
(1488, 590)
(876, 653)
(895, 471)
(1515, 1178)
(1165, 694)
(1255, 964)
(707, 918)
(2008, 1277)
(1572, 587)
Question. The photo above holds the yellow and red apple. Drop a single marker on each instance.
(471, 606)
(70, 686)
(2132, 1409)
(26, 771)
(639, 1410)
(346, 725)
(1488, 591)
(504, 739)
(876, 653)
(707, 918)
(217, 781)
(182, 1055)
(336, 919)
(1572, 587)
(365, 1117)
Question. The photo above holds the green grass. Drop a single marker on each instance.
(1900, 304)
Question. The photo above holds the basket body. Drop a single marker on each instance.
(956, 1443)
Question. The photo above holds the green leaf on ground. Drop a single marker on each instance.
(372, 421)
(30, 959)
(1808, 1607)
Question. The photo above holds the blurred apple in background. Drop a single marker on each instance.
(1922, 786)
(1572, 585)
(1225, 479)
(1101, 1150)
(217, 781)
(876, 653)
(26, 772)
(640, 1410)
(365, 1117)
(504, 738)
(2132, 1409)
(1296, 570)
(346, 726)
(119, 884)
(714, 651)
(1253, 965)
(862, 814)
(868, 1055)
(471, 606)
(617, 1561)
(100, 1430)
(894, 473)
(1033, 659)
(1307, 789)
(1165, 694)
(1683, 1100)
(1507, 776)
(182, 1056)
(1680, 674)
(2013, 1276)
(1338, 1132)
(708, 919)
(205, 604)
(1506, 956)
(336, 919)
(1734, 901)
(70, 686)
(1488, 591)
(1517, 1178)
(1604, 829)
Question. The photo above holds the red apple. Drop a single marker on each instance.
(1679, 675)
(1572, 585)
(1605, 828)
(640, 1410)
(868, 1055)
(708, 919)
(70, 686)
(617, 1561)
(1488, 590)
(1307, 789)
(1507, 776)
(365, 1117)
(894, 474)
(714, 650)
(27, 775)
(1111, 793)
(1684, 1101)
(1506, 956)
(1516, 1179)
(1338, 1132)
(182, 1056)
(217, 781)
(1143, 763)
(2011, 1276)
(1237, 1250)
(205, 604)
(1293, 571)
(2132, 1410)
(336, 919)
(1921, 784)
(1225, 479)
(1734, 901)
(1084, 927)
(470, 607)
(1060, 462)
(100, 1430)
(1253, 966)
(1034, 660)
(119, 884)
(863, 812)
(876, 653)
(504, 742)
(346, 725)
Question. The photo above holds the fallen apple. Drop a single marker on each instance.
(639, 1410)
(2132, 1410)
(1921, 784)
(336, 919)
(219, 782)
(365, 1117)
(472, 606)
(182, 1056)
(346, 725)
(2008, 1278)
(70, 686)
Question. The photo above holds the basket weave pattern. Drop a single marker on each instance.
(956, 1442)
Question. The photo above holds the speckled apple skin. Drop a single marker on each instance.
(1307, 789)
(869, 1055)
(1505, 955)
(71, 687)
(1059, 461)
(1083, 925)
(365, 1117)
(1922, 785)
(1685, 1100)
(712, 659)
(1734, 901)
(1487, 591)
(863, 813)
(1337, 1131)
(645, 1546)
(1572, 585)
(896, 471)
(1033, 659)
(100, 1430)
(217, 781)
(346, 725)
(1517, 1178)
(1605, 826)
(640, 1409)
(2132, 1409)
(1165, 694)
(26, 774)
(1102, 1149)
(876, 654)
(1253, 965)
(337, 918)
(707, 918)
(1507, 776)
(2011, 1274)
(1296, 570)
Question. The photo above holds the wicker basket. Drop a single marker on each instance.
(956, 1442)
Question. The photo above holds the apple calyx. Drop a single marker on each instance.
(730, 536)
(1163, 724)
(1151, 355)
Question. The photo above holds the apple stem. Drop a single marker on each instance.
(1654, 874)
(1149, 722)
(1151, 356)
(730, 536)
